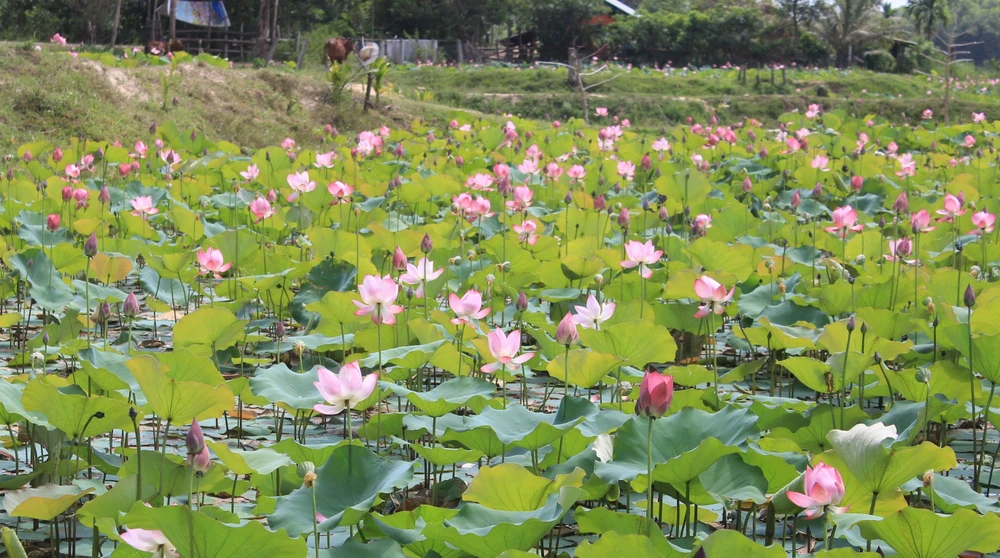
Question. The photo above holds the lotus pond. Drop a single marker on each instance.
(505, 338)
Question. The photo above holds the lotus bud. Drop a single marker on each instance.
(176, 101)
(195, 439)
(504, 187)
(27, 157)
(624, 219)
(67, 193)
(970, 297)
(923, 375)
(398, 152)
(399, 260)
(902, 204)
(52, 222)
(864, 328)
(90, 246)
(796, 199)
(856, 183)
(850, 324)
(152, 128)
(600, 204)
(45, 339)
(663, 215)
(132, 413)
(426, 245)
(10, 174)
(131, 306)
(522, 302)
(410, 293)
(568, 198)
(646, 162)
(460, 161)
(655, 395)
(817, 190)
(566, 333)
(747, 184)
(57, 155)
(878, 358)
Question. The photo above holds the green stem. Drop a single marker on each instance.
(649, 478)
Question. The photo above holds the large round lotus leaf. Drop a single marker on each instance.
(347, 486)
(179, 401)
(411, 357)
(207, 330)
(631, 545)
(174, 471)
(211, 538)
(355, 548)
(518, 426)
(635, 343)
(731, 543)
(693, 438)
(511, 487)
(442, 456)
(75, 414)
(486, 533)
(44, 502)
(292, 389)
(730, 478)
(950, 494)
(112, 504)
(447, 396)
(921, 533)
(244, 462)
(821, 420)
(880, 469)
(406, 528)
(586, 368)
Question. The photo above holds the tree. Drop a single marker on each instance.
(928, 14)
(801, 13)
(846, 23)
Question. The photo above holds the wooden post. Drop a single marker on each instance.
(242, 56)
(461, 55)
(173, 18)
(574, 67)
(302, 54)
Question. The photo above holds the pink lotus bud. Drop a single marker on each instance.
(856, 183)
(27, 157)
(272, 196)
(566, 333)
(646, 163)
(902, 203)
(124, 169)
(195, 439)
(104, 196)
(600, 203)
(624, 218)
(747, 184)
(655, 394)
(796, 199)
(426, 245)
(52, 222)
(67, 193)
(399, 260)
(460, 161)
(522, 302)
(90, 246)
(57, 155)
(817, 190)
(131, 307)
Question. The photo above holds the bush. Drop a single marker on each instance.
(879, 61)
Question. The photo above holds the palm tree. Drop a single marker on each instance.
(928, 14)
(846, 23)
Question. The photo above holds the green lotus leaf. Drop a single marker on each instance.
(244, 462)
(347, 486)
(511, 487)
(75, 414)
(179, 401)
(42, 503)
(447, 396)
(442, 456)
(921, 533)
(586, 368)
(211, 538)
(635, 343)
(282, 385)
(207, 330)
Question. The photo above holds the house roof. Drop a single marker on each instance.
(621, 6)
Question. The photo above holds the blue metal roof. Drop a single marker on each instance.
(628, 10)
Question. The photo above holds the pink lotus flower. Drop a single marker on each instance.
(701, 223)
(300, 183)
(984, 221)
(601, 111)
(526, 232)
(211, 262)
(522, 199)
(251, 173)
(641, 255)
(480, 182)
(823, 488)
(467, 309)
(288, 143)
(528, 167)
(813, 111)
(969, 142)
(844, 219)
(343, 390)
(504, 349)
(661, 145)
(143, 206)
(928, 113)
(378, 297)
(553, 171)
(72, 171)
(324, 160)
(713, 296)
(170, 157)
(593, 314)
(819, 163)
(141, 150)
(261, 209)
(58, 39)
(920, 222)
(341, 192)
(145, 540)
(626, 170)
(978, 117)
(420, 274)
(576, 173)
(656, 392)
(899, 249)
(952, 208)
(501, 170)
